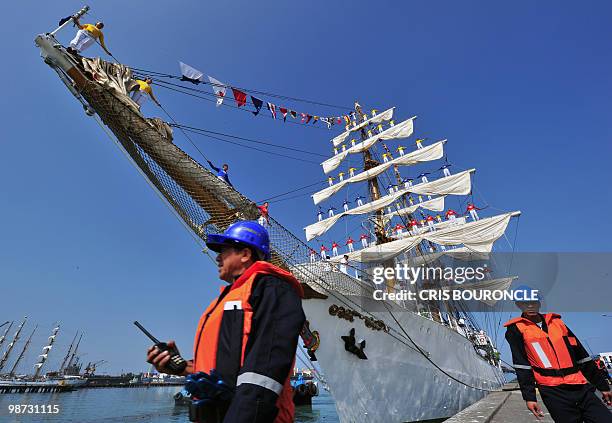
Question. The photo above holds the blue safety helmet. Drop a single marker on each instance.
(529, 292)
(245, 233)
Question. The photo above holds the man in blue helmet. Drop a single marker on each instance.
(247, 336)
(546, 354)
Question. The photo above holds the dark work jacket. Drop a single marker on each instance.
(278, 318)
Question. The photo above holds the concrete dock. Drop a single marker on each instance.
(500, 407)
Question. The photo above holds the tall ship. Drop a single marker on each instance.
(383, 360)
(37, 382)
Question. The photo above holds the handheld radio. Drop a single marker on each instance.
(177, 364)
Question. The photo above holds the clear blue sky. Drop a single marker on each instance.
(521, 90)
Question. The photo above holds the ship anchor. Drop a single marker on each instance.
(351, 346)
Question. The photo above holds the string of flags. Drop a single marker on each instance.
(195, 76)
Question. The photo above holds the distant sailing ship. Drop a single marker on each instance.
(416, 364)
(50, 381)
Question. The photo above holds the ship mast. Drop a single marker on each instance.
(3, 337)
(46, 349)
(373, 188)
(25, 347)
(74, 352)
(61, 369)
(6, 354)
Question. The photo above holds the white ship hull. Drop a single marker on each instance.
(397, 383)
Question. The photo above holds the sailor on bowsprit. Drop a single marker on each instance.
(86, 36)
(142, 90)
(221, 173)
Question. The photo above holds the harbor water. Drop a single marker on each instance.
(154, 404)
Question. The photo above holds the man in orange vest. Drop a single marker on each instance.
(249, 334)
(546, 354)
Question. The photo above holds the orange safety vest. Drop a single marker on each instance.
(549, 356)
(224, 329)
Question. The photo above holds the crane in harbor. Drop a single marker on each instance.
(90, 369)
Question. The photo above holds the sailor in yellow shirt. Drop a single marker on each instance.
(401, 149)
(352, 171)
(142, 90)
(87, 35)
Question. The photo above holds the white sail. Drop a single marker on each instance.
(386, 115)
(319, 228)
(429, 153)
(457, 184)
(477, 236)
(401, 130)
(435, 204)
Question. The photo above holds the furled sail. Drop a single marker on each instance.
(477, 236)
(319, 228)
(435, 204)
(437, 225)
(429, 153)
(457, 184)
(386, 115)
(401, 130)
